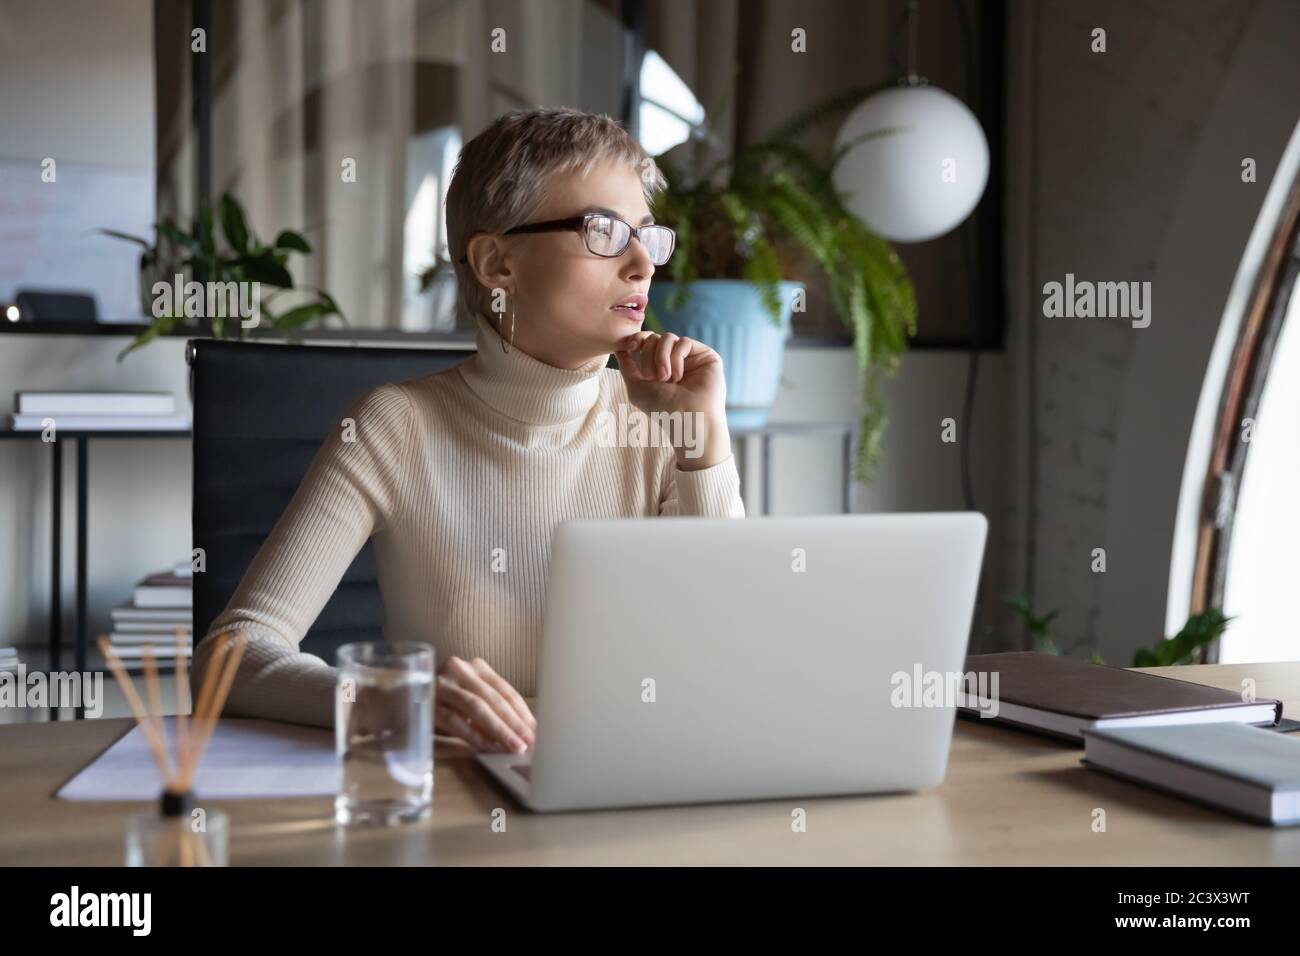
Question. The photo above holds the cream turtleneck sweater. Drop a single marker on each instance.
(441, 471)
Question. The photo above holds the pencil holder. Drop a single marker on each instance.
(178, 833)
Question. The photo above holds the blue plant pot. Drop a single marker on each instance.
(728, 316)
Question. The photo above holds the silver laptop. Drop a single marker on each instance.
(690, 660)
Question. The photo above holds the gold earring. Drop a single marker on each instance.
(512, 328)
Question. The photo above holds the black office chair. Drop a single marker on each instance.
(261, 413)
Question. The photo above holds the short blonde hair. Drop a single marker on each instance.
(501, 176)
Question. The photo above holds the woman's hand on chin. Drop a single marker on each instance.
(669, 373)
(478, 706)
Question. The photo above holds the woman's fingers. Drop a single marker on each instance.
(475, 709)
(635, 341)
(656, 361)
(512, 696)
(644, 345)
(661, 358)
(454, 725)
(468, 675)
(681, 349)
(631, 367)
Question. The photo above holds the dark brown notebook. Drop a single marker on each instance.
(1064, 697)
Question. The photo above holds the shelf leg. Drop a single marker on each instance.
(56, 558)
(83, 452)
(767, 473)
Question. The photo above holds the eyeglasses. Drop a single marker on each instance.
(609, 236)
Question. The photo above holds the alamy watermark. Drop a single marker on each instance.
(212, 300)
(633, 428)
(19, 688)
(973, 690)
(1101, 300)
(129, 910)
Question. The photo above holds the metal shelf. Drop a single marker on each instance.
(81, 441)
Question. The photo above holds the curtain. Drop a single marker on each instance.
(343, 118)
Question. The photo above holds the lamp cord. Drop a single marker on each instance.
(913, 15)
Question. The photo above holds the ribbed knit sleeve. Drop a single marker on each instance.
(352, 490)
(712, 492)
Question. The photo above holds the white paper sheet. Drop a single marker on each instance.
(245, 758)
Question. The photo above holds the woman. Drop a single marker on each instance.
(461, 476)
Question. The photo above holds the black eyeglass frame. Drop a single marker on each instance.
(579, 224)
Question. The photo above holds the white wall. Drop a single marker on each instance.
(76, 147)
(918, 472)
(76, 81)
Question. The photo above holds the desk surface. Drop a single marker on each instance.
(1010, 798)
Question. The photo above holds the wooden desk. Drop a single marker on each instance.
(1010, 798)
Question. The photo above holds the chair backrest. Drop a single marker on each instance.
(56, 306)
(261, 413)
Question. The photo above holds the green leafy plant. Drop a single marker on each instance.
(1199, 631)
(761, 212)
(243, 257)
(1039, 627)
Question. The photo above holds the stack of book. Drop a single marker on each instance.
(161, 605)
(8, 659)
(1249, 771)
(1214, 746)
(97, 411)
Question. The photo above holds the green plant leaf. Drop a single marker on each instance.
(177, 236)
(300, 316)
(265, 269)
(798, 124)
(288, 239)
(329, 301)
(1200, 630)
(143, 243)
(331, 306)
(795, 161)
(159, 326)
(1039, 627)
(838, 154)
(233, 223)
(441, 267)
(764, 270)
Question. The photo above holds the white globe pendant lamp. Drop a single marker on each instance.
(925, 175)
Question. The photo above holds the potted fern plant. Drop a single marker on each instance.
(745, 225)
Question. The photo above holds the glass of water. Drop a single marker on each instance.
(383, 731)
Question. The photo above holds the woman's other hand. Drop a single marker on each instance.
(473, 702)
